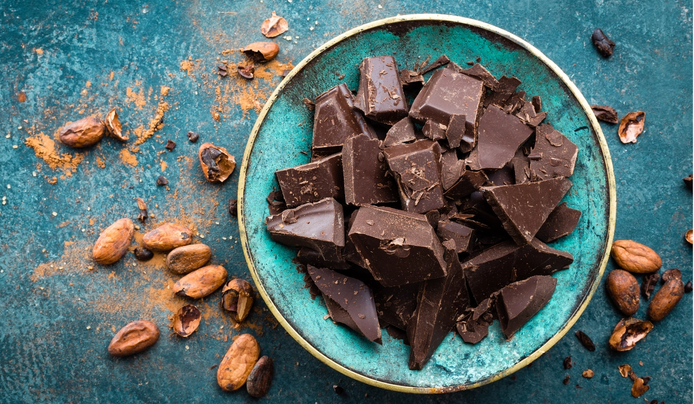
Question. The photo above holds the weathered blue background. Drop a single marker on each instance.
(59, 319)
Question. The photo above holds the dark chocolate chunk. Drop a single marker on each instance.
(380, 94)
(365, 175)
(521, 167)
(193, 137)
(441, 61)
(457, 135)
(451, 168)
(275, 202)
(524, 208)
(605, 113)
(504, 263)
(161, 181)
(338, 314)
(396, 305)
(338, 390)
(433, 217)
(335, 119)
(438, 304)
(469, 182)
(434, 131)
(462, 235)
(503, 91)
(448, 93)
(411, 79)
(479, 72)
(604, 45)
(397, 247)
(537, 103)
(401, 132)
(648, 284)
(308, 256)
(557, 154)
(480, 210)
(318, 226)
(514, 103)
(498, 137)
(170, 145)
(527, 114)
(312, 182)
(520, 301)
(504, 176)
(585, 341)
(568, 364)
(417, 169)
(472, 331)
(566, 380)
(352, 296)
(561, 222)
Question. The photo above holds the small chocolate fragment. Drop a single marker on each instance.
(335, 120)
(417, 169)
(222, 70)
(461, 235)
(603, 44)
(353, 296)
(472, 331)
(506, 262)
(246, 70)
(380, 95)
(312, 182)
(513, 203)
(520, 301)
(648, 284)
(438, 305)
(503, 91)
(401, 132)
(537, 103)
(631, 126)
(161, 181)
(396, 305)
(275, 202)
(216, 162)
(605, 113)
(170, 145)
(308, 256)
(498, 137)
(566, 380)
(397, 247)
(232, 207)
(504, 176)
(193, 137)
(688, 287)
(143, 254)
(561, 222)
(481, 212)
(365, 175)
(451, 168)
(309, 104)
(585, 341)
(469, 182)
(319, 226)
(527, 114)
(557, 154)
(521, 167)
(568, 364)
(448, 93)
(441, 61)
(457, 134)
(479, 72)
(410, 79)
(514, 103)
(434, 131)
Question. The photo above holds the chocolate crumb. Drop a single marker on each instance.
(566, 380)
(193, 137)
(688, 287)
(170, 145)
(222, 71)
(338, 390)
(568, 364)
(441, 61)
(162, 180)
(585, 341)
(309, 104)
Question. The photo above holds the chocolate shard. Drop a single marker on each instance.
(448, 93)
(524, 208)
(438, 305)
(457, 134)
(498, 137)
(557, 154)
(319, 226)
(380, 95)
(461, 235)
(504, 176)
(401, 132)
(397, 247)
(521, 167)
(451, 168)
(537, 103)
(312, 182)
(308, 256)
(503, 91)
(477, 206)
(410, 79)
(335, 120)
(527, 114)
(441, 61)
(469, 182)
(365, 175)
(514, 103)
(479, 72)
(473, 326)
(520, 301)
(396, 305)
(434, 131)
(507, 262)
(417, 169)
(561, 222)
(352, 296)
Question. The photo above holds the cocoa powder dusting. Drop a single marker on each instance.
(45, 149)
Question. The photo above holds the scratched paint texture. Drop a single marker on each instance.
(75, 59)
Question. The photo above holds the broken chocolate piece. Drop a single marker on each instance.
(527, 114)
(312, 182)
(557, 154)
(441, 61)
(397, 247)
(605, 113)
(308, 256)
(448, 93)
(472, 331)
(604, 45)
(353, 296)
(561, 222)
(479, 72)
(504, 263)
(396, 305)
(380, 94)
(401, 132)
(460, 234)
(537, 103)
(457, 134)
(434, 131)
(521, 167)
(417, 169)
(335, 120)
(469, 182)
(503, 91)
(411, 79)
(438, 304)
(498, 137)
(275, 202)
(318, 226)
(524, 208)
(504, 176)
(365, 175)
(520, 301)
(451, 168)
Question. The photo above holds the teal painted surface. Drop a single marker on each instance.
(287, 133)
(47, 354)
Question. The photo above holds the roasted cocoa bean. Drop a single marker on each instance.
(238, 362)
(260, 378)
(167, 237)
(623, 289)
(183, 260)
(635, 257)
(113, 242)
(202, 282)
(666, 298)
(134, 338)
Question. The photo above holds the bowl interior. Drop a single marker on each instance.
(282, 138)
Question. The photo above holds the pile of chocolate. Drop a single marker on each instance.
(426, 207)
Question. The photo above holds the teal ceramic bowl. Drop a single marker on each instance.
(282, 138)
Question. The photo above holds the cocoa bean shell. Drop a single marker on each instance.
(186, 320)
(134, 338)
(665, 299)
(216, 162)
(201, 282)
(183, 260)
(113, 242)
(238, 363)
(623, 290)
(167, 237)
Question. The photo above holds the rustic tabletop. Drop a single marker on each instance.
(157, 63)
